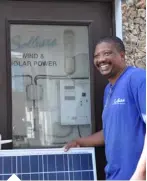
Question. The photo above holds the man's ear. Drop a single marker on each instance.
(122, 54)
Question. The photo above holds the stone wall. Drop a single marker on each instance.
(134, 31)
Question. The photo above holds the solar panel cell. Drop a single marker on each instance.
(34, 164)
(25, 163)
(40, 160)
(60, 163)
(26, 177)
(19, 164)
(76, 162)
(14, 167)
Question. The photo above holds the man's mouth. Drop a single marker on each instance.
(104, 67)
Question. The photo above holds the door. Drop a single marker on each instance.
(47, 74)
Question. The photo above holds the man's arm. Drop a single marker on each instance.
(96, 139)
(138, 89)
(140, 172)
(138, 86)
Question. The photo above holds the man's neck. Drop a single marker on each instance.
(114, 79)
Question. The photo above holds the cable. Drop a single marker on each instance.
(29, 76)
(79, 131)
(55, 77)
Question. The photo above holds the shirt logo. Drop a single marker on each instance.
(119, 101)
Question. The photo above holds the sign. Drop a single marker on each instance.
(37, 49)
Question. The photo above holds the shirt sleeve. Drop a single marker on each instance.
(138, 89)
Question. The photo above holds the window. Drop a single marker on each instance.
(50, 84)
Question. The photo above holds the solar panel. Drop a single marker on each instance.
(48, 164)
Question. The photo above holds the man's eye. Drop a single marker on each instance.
(107, 53)
(96, 56)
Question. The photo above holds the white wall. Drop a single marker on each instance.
(118, 18)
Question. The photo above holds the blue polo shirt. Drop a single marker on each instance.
(124, 123)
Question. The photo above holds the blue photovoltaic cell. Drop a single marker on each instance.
(48, 167)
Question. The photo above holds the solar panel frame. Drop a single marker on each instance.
(43, 154)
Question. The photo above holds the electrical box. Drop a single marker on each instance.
(34, 92)
(75, 102)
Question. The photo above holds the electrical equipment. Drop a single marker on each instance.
(75, 102)
(34, 92)
(69, 61)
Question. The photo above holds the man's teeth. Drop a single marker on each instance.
(104, 66)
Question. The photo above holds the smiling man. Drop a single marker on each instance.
(124, 112)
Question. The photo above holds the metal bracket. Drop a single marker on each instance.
(4, 141)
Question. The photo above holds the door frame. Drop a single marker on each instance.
(8, 62)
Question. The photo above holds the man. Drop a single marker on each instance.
(124, 111)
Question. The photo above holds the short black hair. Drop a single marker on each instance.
(113, 39)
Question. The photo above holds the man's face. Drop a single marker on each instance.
(108, 60)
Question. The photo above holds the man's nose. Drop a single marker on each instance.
(101, 59)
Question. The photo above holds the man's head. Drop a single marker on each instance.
(109, 57)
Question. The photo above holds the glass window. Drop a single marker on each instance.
(50, 85)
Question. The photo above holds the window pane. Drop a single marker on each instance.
(50, 84)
